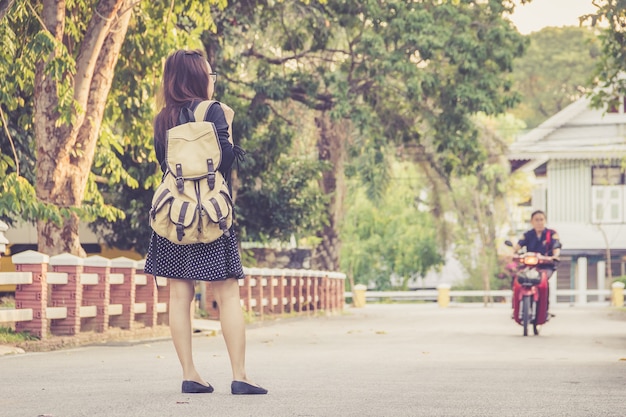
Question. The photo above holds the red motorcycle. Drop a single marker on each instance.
(531, 272)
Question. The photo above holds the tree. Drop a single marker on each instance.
(379, 76)
(394, 236)
(555, 70)
(68, 101)
(125, 167)
(474, 206)
(609, 81)
(61, 57)
(274, 186)
(374, 78)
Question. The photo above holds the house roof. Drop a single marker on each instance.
(576, 132)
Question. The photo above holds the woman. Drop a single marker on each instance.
(188, 80)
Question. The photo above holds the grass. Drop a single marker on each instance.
(8, 336)
(7, 301)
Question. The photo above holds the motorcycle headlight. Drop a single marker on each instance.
(531, 260)
(531, 273)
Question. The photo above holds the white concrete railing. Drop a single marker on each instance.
(54, 294)
(581, 296)
(86, 279)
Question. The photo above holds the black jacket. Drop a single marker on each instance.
(543, 245)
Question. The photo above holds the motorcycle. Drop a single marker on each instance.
(531, 272)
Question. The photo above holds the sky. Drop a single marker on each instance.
(541, 13)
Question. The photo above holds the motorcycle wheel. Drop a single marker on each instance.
(533, 309)
(525, 313)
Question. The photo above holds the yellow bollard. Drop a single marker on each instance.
(358, 295)
(443, 295)
(617, 296)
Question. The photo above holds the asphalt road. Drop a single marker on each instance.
(381, 360)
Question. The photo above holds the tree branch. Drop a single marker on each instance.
(276, 61)
(5, 5)
(324, 101)
(100, 85)
(280, 116)
(102, 20)
(6, 130)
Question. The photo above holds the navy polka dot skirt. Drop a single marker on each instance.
(213, 261)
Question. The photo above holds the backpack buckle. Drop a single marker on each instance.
(222, 222)
(180, 183)
(211, 176)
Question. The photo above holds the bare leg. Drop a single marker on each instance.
(181, 303)
(233, 325)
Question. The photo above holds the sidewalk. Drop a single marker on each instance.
(381, 360)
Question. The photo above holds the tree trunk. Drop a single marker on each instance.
(65, 152)
(485, 250)
(331, 149)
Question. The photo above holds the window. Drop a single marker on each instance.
(607, 175)
(607, 204)
(607, 194)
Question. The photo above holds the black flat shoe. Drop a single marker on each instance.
(243, 388)
(192, 387)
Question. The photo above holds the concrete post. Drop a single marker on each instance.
(306, 291)
(617, 294)
(358, 295)
(299, 288)
(33, 296)
(97, 295)
(68, 295)
(3, 240)
(601, 273)
(581, 281)
(443, 295)
(281, 291)
(326, 293)
(124, 294)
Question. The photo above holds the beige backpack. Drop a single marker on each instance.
(193, 204)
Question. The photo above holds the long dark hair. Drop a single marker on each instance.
(185, 78)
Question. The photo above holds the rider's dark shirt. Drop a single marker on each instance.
(543, 245)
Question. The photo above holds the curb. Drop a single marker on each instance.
(10, 350)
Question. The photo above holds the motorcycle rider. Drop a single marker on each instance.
(542, 240)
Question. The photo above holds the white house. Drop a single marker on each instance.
(578, 161)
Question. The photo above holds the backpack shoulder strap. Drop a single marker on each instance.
(200, 112)
(229, 114)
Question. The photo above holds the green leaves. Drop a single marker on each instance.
(556, 70)
(394, 74)
(393, 236)
(609, 80)
(284, 201)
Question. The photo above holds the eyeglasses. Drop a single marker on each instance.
(213, 76)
